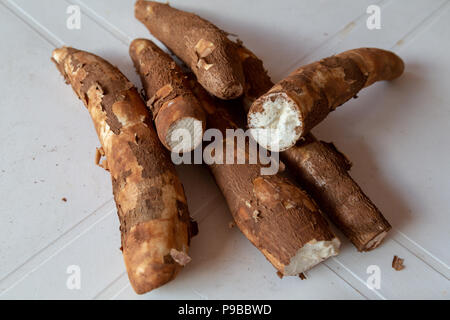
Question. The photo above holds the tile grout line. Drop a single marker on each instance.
(112, 284)
(330, 42)
(347, 282)
(62, 244)
(32, 23)
(113, 297)
(26, 16)
(120, 35)
(104, 292)
(356, 277)
(417, 29)
(382, 3)
(197, 214)
(51, 243)
(106, 26)
(20, 271)
(102, 22)
(27, 268)
(412, 247)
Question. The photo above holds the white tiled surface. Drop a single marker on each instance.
(396, 134)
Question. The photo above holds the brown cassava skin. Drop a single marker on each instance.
(152, 209)
(274, 214)
(323, 171)
(169, 94)
(200, 44)
(257, 81)
(271, 211)
(320, 87)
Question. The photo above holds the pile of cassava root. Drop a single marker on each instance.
(283, 214)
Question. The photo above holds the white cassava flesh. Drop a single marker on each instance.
(311, 254)
(277, 126)
(375, 242)
(184, 135)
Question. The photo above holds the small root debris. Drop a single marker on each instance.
(64, 199)
(280, 275)
(397, 263)
(256, 215)
(302, 276)
(104, 165)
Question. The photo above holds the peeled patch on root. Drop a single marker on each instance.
(202, 64)
(277, 126)
(184, 135)
(311, 254)
(204, 48)
(375, 242)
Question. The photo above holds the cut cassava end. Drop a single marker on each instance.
(187, 127)
(311, 254)
(277, 126)
(151, 205)
(323, 171)
(179, 118)
(201, 45)
(311, 92)
(277, 216)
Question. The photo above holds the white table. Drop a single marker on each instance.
(397, 135)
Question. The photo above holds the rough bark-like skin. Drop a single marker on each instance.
(169, 94)
(257, 81)
(149, 197)
(200, 44)
(274, 214)
(320, 87)
(323, 171)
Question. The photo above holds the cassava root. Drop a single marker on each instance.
(179, 118)
(323, 171)
(278, 217)
(151, 205)
(313, 161)
(292, 107)
(275, 215)
(200, 44)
